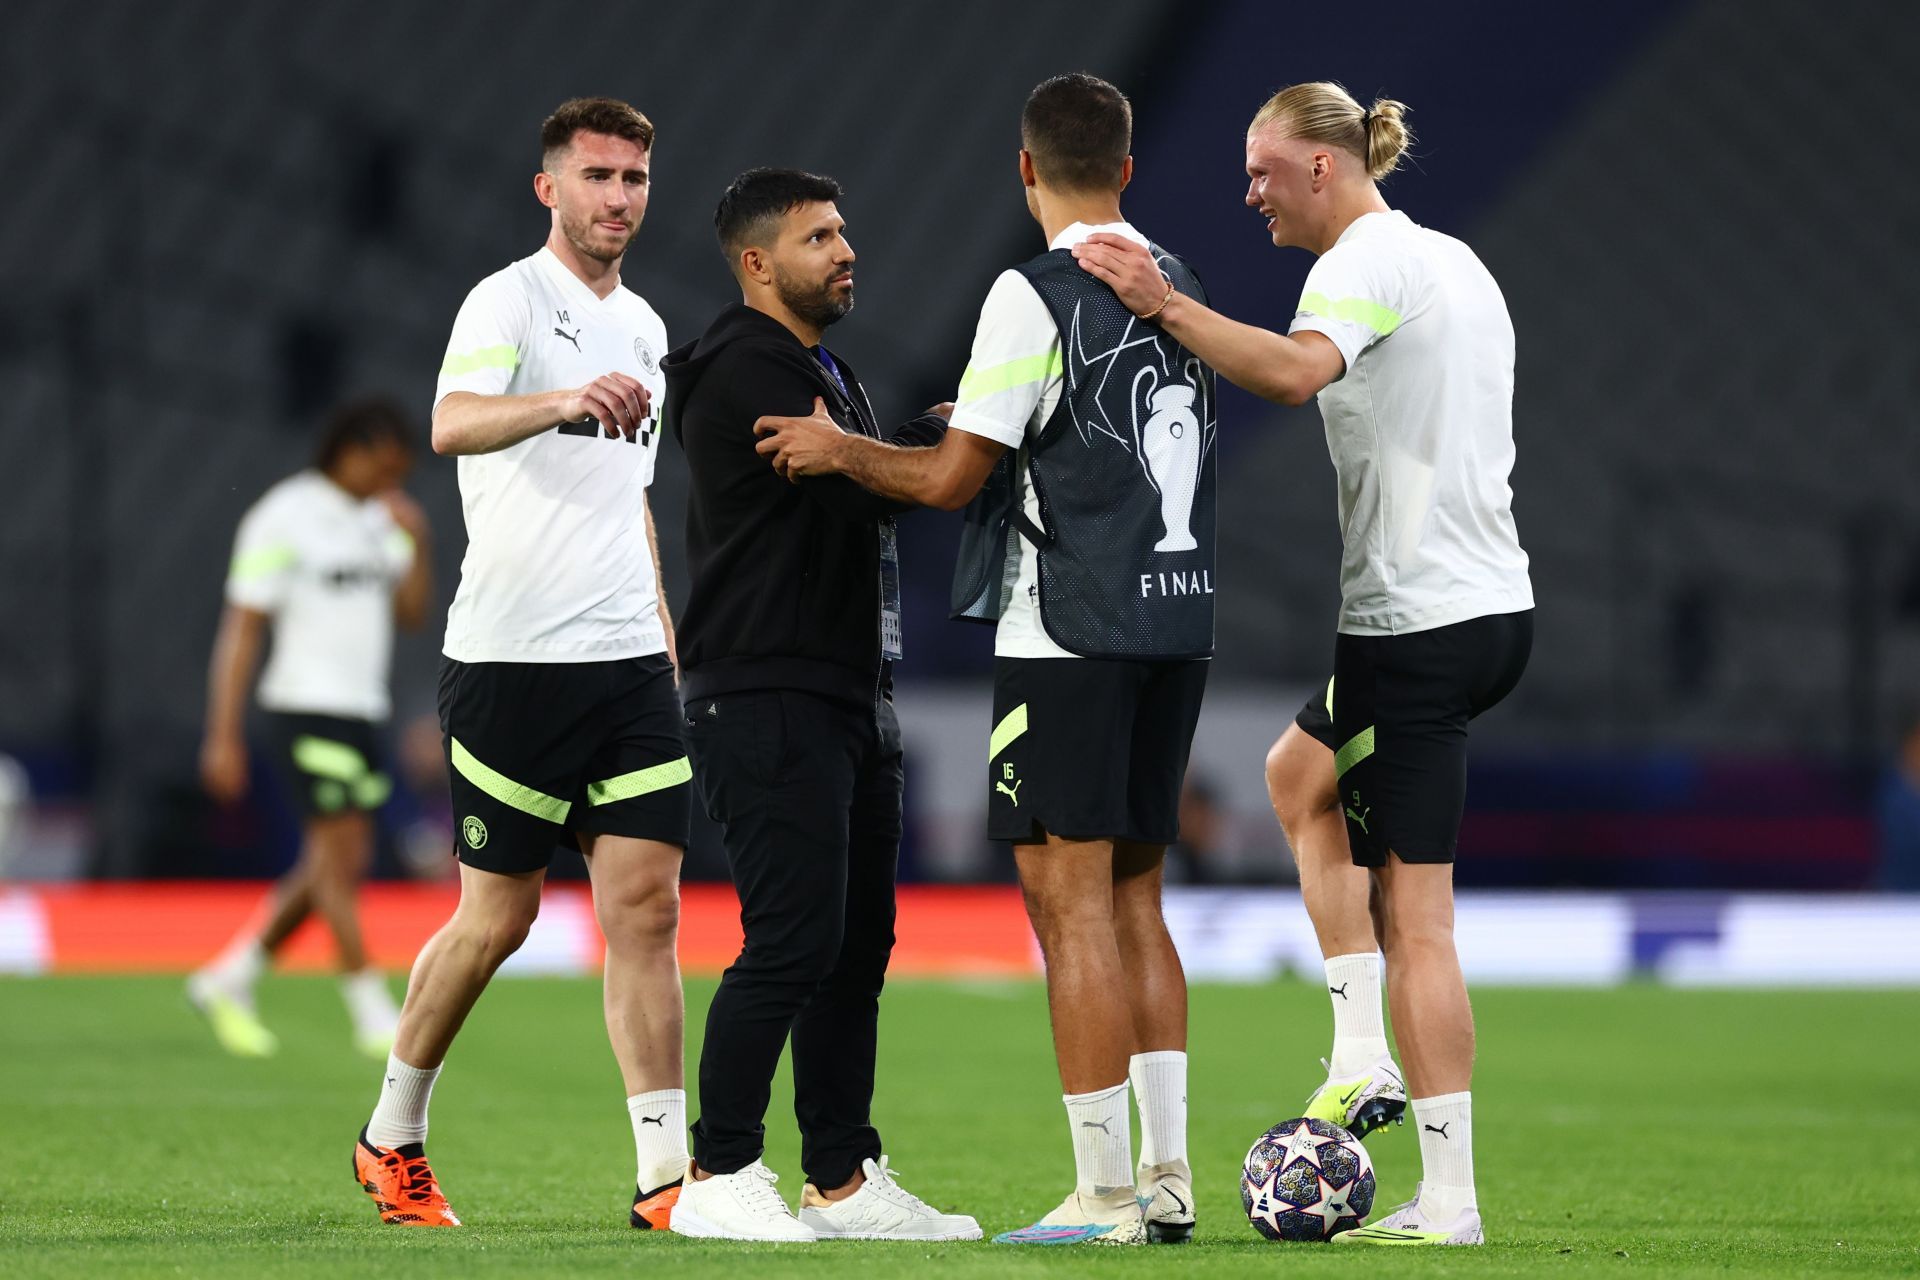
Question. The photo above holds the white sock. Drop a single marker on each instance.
(1160, 1090)
(1359, 1033)
(369, 1002)
(400, 1116)
(1446, 1156)
(238, 967)
(659, 1136)
(1102, 1140)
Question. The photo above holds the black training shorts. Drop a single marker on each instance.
(538, 750)
(1395, 716)
(331, 764)
(1090, 748)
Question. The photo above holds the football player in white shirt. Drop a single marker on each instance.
(1404, 337)
(327, 560)
(557, 695)
(1089, 752)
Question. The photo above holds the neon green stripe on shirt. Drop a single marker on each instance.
(506, 356)
(975, 383)
(1352, 311)
(258, 564)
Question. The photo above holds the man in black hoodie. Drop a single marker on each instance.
(787, 642)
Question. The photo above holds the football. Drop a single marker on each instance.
(1306, 1180)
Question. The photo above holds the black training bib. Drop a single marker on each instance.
(1124, 472)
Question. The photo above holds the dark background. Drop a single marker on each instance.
(223, 218)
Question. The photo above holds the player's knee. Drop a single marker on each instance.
(1279, 770)
(1062, 921)
(646, 918)
(339, 871)
(1136, 910)
(815, 958)
(333, 891)
(503, 938)
(499, 928)
(1409, 933)
(1298, 785)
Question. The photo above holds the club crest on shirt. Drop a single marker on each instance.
(644, 354)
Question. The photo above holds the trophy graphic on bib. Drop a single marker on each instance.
(1170, 445)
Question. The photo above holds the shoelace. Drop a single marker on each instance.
(756, 1192)
(881, 1179)
(417, 1184)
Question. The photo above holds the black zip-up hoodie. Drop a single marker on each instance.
(786, 577)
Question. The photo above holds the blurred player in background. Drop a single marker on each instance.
(1093, 461)
(557, 692)
(328, 560)
(1404, 336)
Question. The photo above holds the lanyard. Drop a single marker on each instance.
(890, 637)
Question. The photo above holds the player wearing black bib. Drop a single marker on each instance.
(1082, 447)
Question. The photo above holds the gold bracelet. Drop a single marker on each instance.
(1163, 303)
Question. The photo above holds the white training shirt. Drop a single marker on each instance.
(323, 565)
(1420, 427)
(558, 567)
(1013, 383)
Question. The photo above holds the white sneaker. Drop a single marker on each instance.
(1406, 1225)
(376, 1018)
(1166, 1201)
(881, 1209)
(737, 1206)
(230, 1011)
(1114, 1219)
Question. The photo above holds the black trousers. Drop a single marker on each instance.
(807, 793)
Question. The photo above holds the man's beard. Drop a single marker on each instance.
(580, 234)
(817, 304)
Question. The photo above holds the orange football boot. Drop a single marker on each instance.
(652, 1210)
(401, 1184)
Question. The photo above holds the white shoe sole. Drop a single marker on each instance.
(964, 1233)
(684, 1222)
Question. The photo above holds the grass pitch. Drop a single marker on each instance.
(1631, 1132)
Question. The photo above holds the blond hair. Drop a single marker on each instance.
(1325, 112)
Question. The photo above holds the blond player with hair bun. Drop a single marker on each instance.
(1404, 338)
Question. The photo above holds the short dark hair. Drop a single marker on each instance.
(759, 198)
(1078, 129)
(593, 115)
(359, 423)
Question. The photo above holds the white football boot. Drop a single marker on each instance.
(1086, 1219)
(881, 1209)
(1166, 1201)
(737, 1206)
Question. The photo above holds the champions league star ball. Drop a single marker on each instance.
(1306, 1180)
